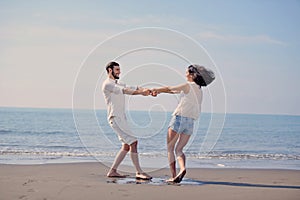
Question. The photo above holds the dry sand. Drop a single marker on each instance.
(87, 181)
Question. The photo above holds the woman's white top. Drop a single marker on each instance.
(190, 103)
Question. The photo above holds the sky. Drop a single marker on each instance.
(254, 47)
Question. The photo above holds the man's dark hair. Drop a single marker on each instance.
(111, 65)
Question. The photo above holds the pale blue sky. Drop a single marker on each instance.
(255, 45)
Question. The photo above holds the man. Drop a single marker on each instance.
(114, 94)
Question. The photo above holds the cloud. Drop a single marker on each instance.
(48, 34)
(239, 39)
(149, 19)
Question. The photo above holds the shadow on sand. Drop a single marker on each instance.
(162, 181)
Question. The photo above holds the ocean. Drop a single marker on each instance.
(40, 136)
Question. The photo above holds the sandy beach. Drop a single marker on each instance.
(88, 181)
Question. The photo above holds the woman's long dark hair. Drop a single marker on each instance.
(197, 78)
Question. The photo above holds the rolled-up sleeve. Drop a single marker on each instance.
(132, 87)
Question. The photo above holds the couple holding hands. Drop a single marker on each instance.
(181, 124)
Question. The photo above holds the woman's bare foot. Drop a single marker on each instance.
(180, 176)
(170, 180)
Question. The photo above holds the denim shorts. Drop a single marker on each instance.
(182, 124)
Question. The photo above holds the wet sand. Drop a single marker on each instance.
(88, 181)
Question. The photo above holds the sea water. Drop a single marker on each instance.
(39, 136)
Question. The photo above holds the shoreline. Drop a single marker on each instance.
(129, 167)
(162, 163)
(88, 181)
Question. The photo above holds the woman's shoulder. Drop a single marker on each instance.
(186, 87)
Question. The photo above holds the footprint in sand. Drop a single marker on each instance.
(22, 197)
(31, 190)
(29, 181)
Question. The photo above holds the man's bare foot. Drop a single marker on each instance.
(112, 174)
(143, 176)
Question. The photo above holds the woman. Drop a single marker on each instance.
(188, 110)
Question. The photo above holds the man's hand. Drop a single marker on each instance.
(146, 92)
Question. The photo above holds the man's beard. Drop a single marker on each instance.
(114, 75)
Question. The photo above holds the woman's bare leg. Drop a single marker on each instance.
(171, 141)
(183, 140)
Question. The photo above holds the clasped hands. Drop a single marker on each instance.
(147, 92)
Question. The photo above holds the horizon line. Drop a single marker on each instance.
(86, 109)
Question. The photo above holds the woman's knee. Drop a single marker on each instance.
(171, 148)
(178, 151)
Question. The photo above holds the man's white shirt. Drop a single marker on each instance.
(115, 98)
